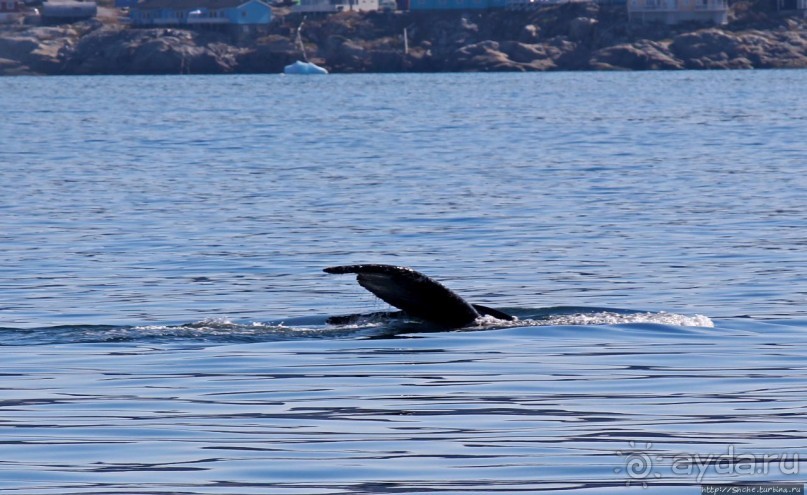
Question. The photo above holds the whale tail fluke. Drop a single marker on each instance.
(417, 294)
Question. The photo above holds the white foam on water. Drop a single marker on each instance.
(603, 318)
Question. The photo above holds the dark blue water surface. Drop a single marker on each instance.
(163, 310)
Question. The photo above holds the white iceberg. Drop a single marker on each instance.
(300, 67)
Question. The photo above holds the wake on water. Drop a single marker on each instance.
(375, 325)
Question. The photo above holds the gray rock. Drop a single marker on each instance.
(269, 58)
(17, 47)
(151, 51)
(276, 44)
(514, 56)
(484, 56)
(708, 49)
(351, 50)
(530, 34)
(718, 49)
(533, 56)
(39, 48)
(582, 28)
(13, 68)
(345, 55)
(640, 55)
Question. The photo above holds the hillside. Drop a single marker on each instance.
(571, 36)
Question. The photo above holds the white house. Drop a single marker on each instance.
(676, 11)
(335, 5)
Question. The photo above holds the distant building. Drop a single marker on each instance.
(64, 12)
(535, 4)
(676, 11)
(10, 10)
(200, 13)
(456, 4)
(311, 6)
(791, 5)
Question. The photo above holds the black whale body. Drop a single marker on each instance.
(418, 295)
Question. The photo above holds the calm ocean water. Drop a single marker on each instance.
(163, 307)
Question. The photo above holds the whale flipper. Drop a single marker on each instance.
(417, 294)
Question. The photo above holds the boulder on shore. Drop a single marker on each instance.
(720, 49)
(640, 55)
(113, 50)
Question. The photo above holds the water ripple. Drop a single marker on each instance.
(130, 206)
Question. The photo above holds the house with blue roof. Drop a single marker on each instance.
(200, 13)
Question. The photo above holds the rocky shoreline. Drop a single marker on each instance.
(571, 36)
